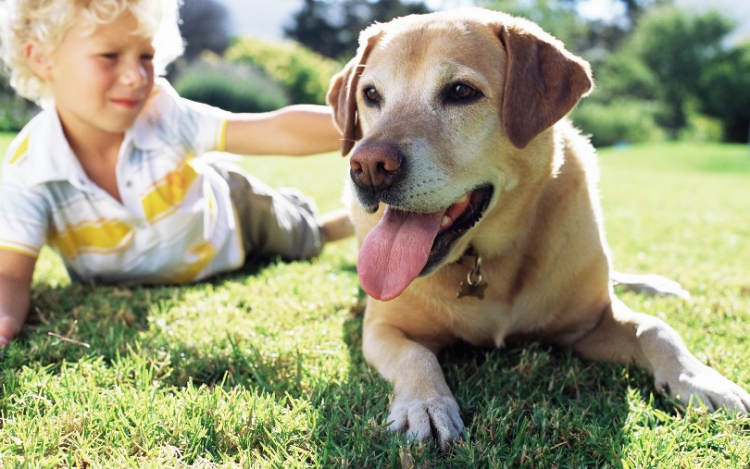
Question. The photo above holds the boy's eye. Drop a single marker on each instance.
(109, 55)
(147, 57)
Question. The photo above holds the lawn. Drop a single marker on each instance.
(264, 368)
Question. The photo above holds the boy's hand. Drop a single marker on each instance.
(16, 271)
(9, 328)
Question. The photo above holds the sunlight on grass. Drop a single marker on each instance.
(264, 368)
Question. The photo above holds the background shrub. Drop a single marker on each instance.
(702, 128)
(304, 73)
(15, 111)
(232, 87)
(621, 121)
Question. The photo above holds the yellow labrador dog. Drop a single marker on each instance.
(476, 206)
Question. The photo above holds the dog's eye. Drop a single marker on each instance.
(371, 95)
(461, 92)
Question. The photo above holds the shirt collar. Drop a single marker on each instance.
(54, 160)
(51, 158)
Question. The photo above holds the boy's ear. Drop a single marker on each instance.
(38, 58)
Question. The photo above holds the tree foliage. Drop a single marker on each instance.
(677, 49)
(557, 17)
(332, 27)
(204, 26)
(563, 19)
(725, 92)
(633, 9)
(671, 62)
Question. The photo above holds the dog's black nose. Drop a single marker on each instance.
(376, 165)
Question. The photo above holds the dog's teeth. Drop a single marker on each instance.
(445, 222)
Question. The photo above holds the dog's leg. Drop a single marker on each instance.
(423, 406)
(651, 284)
(624, 336)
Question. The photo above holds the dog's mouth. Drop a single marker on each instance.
(457, 220)
(405, 245)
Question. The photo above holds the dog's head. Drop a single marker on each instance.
(446, 113)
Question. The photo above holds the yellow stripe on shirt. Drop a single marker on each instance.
(99, 236)
(221, 141)
(19, 248)
(169, 192)
(199, 257)
(20, 151)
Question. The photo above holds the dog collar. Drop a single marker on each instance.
(474, 285)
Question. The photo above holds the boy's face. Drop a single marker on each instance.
(100, 81)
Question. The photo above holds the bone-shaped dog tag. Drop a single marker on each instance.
(469, 288)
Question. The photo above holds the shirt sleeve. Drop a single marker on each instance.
(23, 218)
(198, 126)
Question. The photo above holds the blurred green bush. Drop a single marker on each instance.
(15, 111)
(304, 73)
(620, 121)
(232, 87)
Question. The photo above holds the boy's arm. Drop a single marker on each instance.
(293, 130)
(16, 272)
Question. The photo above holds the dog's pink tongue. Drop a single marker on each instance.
(396, 251)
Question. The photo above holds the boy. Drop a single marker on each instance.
(110, 175)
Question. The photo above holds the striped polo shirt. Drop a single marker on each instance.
(176, 223)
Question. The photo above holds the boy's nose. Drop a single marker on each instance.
(134, 75)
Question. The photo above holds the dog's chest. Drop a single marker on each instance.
(483, 322)
(438, 297)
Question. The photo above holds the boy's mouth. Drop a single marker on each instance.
(126, 102)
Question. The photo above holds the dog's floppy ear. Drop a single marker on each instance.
(343, 88)
(543, 81)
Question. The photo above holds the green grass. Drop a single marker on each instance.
(264, 369)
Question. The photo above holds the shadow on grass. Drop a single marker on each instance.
(526, 406)
(531, 406)
(541, 406)
(79, 320)
(68, 323)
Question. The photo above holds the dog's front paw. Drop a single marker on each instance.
(702, 385)
(422, 419)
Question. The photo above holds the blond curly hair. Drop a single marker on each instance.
(47, 22)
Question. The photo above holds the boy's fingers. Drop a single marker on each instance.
(9, 328)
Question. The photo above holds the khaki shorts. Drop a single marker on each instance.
(274, 222)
